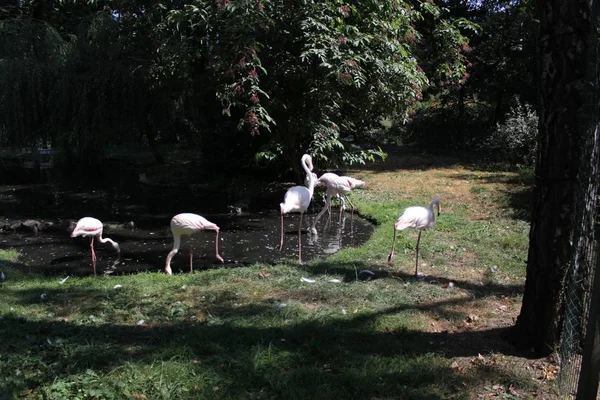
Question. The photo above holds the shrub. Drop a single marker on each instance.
(515, 140)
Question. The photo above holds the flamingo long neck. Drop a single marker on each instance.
(435, 202)
(176, 245)
(112, 242)
(311, 177)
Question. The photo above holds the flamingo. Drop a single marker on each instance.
(188, 224)
(417, 217)
(352, 182)
(92, 227)
(338, 186)
(297, 199)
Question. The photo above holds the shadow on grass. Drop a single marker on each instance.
(404, 158)
(518, 197)
(351, 272)
(339, 358)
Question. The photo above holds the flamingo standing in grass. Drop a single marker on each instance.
(297, 199)
(92, 227)
(188, 224)
(339, 186)
(417, 217)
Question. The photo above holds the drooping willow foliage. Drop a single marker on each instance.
(78, 94)
(96, 97)
(32, 57)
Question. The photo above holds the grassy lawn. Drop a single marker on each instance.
(260, 332)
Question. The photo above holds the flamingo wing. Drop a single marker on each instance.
(297, 198)
(335, 184)
(87, 226)
(414, 217)
(191, 222)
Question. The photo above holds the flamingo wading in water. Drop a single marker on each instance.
(188, 224)
(297, 199)
(92, 227)
(416, 217)
(352, 182)
(336, 186)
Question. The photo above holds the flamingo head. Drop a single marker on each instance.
(314, 178)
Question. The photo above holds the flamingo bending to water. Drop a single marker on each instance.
(339, 186)
(297, 199)
(92, 227)
(351, 181)
(417, 217)
(188, 224)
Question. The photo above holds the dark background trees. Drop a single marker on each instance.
(239, 80)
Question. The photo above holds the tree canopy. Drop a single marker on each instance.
(295, 76)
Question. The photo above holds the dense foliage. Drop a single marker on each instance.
(294, 76)
(246, 80)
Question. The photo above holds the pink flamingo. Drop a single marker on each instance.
(297, 199)
(188, 224)
(91, 227)
(353, 183)
(417, 217)
(339, 186)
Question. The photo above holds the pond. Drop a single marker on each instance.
(137, 216)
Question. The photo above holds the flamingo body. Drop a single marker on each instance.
(92, 228)
(188, 224)
(416, 217)
(297, 199)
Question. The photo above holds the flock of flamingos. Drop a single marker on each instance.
(296, 200)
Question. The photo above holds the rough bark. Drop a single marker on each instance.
(563, 209)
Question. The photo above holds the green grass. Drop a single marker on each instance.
(229, 333)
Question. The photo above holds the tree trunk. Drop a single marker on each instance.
(566, 168)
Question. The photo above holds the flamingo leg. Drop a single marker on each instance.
(93, 254)
(352, 223)
(393, 246)
(191, 257)
(325, 207)
(417, 261)
(351, 205)
(300, 240)
(281, 242)
(217, 247)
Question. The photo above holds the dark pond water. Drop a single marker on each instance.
(244, 239)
